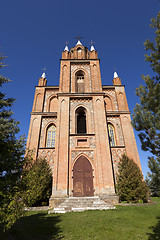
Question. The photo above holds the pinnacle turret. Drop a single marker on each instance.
(66, 49)
(115, 75)
(92, 48)
(43, 75)
(116, 79)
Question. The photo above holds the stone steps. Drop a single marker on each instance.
(79, 204)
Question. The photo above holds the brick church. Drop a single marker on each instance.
(81, 127)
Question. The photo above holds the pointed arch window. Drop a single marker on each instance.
(51, 136)
(81, 120)
(111, 134)
(80, 81)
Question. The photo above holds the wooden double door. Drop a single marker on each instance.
(82, 178)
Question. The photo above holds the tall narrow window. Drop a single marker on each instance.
(51, 134)
(79, 81)
(81, 120)
(111, 135)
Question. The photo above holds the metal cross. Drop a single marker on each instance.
(78, 37)
(44, 69)
(91, 42)
(66, 42)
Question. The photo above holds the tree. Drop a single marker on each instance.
(130, 185)
(36, 181)
(22, 181)
(146, 117)
(11, 159)
(153, 178)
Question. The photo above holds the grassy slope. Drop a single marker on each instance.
(131, 222)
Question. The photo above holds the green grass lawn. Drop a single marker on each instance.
(126, 222)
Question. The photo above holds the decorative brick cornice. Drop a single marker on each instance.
(114, 113)
(45, 114)
(80, 60)
(48, 87)
(81, 95)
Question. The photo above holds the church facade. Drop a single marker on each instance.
(81, 127)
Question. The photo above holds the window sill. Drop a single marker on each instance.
(117, 146)
(47, 148)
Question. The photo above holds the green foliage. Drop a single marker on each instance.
(153, 179)
(36, 181)
(11, 159)
(22, 181)
(130, 185)
(123, 223)
(11, 208)
(146, 117)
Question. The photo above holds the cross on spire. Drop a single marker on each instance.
(91, 42)
(78, 37)
(66, 42)
(44, 72)
(44, 69)
(92, 48)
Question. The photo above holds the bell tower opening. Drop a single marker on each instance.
(80, 81)
(79, 50)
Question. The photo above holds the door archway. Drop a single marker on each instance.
(82, 178)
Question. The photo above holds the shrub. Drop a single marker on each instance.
(36, 182)
(130, 184)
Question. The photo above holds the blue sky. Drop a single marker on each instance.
(33, 35)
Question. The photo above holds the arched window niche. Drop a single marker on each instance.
(81, 127)
(79, 49)
(51, 136)
(79, 77)
(111, 134)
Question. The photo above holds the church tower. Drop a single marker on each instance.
(81, 127)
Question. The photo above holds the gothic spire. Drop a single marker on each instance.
(115, 75)
(43, 75)
(66, 49)
(92, 48)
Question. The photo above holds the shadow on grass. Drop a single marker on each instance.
(155, 234)
(40, 226)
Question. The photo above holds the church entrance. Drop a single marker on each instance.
(82, 178)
